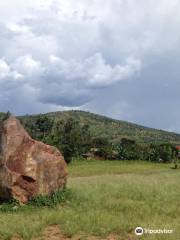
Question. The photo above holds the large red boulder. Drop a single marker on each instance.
(27, 167)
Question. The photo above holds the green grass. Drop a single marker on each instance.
(107, 197)
(84, 168)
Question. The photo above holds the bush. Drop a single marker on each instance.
(51, 200)
(10, 205)
(39, 201)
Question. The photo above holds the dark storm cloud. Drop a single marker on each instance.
(153, 98)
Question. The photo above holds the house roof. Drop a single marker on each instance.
(178, 147)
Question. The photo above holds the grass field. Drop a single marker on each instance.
(108, 198)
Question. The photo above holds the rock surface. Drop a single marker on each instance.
(27, 167)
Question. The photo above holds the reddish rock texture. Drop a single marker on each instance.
(28, 167)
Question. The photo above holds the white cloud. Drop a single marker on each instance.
(7, 73)
(60, 77)
(101, 74)
(4, 69)
(27, 66)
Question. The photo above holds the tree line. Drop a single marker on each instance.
(75, 140)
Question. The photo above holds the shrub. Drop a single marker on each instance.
(51, 200)
(39, 201)
(10, 205)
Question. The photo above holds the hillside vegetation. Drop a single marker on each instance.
(109, 128)
(87, 135)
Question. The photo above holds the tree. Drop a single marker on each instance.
(42, 127)
(72, 140)
(162, 152)
(6, 116)
(129, 149)
(105, 149)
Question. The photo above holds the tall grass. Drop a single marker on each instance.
(93, 167)
(127, 195)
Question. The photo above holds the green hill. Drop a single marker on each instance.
(103, 126)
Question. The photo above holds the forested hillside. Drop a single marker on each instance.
(114, 130)
(103, 126)
(83, 134)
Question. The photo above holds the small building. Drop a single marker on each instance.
(178, 149)
(94, 153)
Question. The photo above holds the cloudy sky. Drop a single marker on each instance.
(120, 58)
